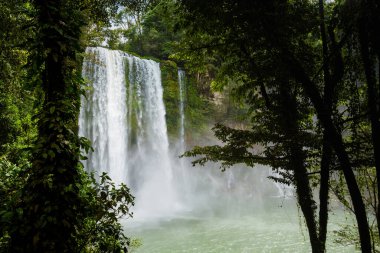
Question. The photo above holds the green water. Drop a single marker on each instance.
(274, 228)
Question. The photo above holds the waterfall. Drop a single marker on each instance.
(182, 95)
(102, 116)
(185, 175)
(123, 114)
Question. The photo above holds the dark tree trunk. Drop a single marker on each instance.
(372, 99)
(289, 121)
(336, 141)
(324, 190)
(50, 199)
(326, 148)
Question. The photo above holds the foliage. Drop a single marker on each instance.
(157, 35)
(16, 102)
(11, 182)
(106, 204)
(100, 229)
(125, 26)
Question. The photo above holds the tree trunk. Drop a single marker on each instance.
(324, 190)
(372, 99)
(336, 141)
(326, 148)
(290, 124)
(50, 199)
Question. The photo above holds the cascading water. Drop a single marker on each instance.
(184, 185)
(182, 95)
(102, 116)
(151, 172)
(123, 115)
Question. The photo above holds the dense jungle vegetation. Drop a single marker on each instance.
(306, 73)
